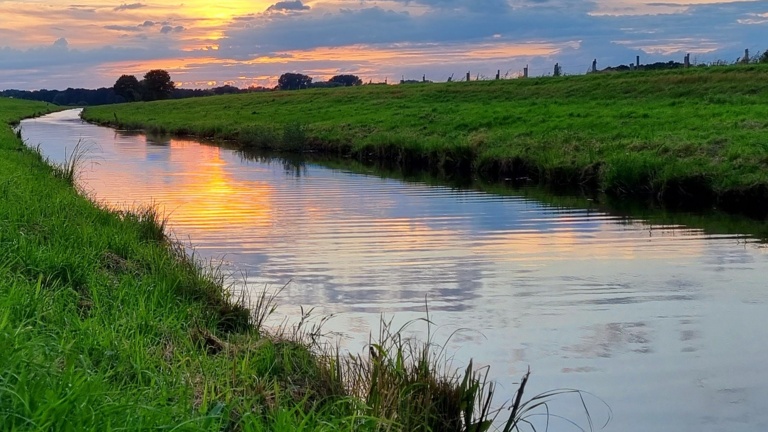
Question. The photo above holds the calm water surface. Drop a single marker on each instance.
(667, 324)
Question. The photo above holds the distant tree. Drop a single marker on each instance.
(346, 80)
(325, 84)
(128, 87)
(225, 89)
(60, 99)
(157, 84)
(293, 81)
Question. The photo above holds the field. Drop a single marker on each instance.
(106, 324)
(695, 136)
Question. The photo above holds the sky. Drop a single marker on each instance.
(90, 43)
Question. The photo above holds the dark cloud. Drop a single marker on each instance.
(123, 28)
(61, 54)
(171, 29)
(166, 27)
(295, 5)
(61, 43)
(379, 26)
(77, 8)
(129, 6)
(530, 20)
(469, 5)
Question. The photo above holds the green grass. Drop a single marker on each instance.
(696, 134)
(107, 325)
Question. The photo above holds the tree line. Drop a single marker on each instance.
(157, 84)
(126, 85)
(297, 81)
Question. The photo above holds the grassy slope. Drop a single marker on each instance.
(104, 325)
(698, 131)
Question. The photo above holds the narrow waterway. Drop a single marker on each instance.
(665, 323)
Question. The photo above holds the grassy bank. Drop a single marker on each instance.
(105, 324)
(695, 135)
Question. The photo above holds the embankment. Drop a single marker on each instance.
(694, 136)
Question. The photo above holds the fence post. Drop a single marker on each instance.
(594, 65)
(687, 60)
(746, 56)
(525, 71)
(637, 63)
(468, 77)
(498, 74)
(557, 70)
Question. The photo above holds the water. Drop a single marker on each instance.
(665, 323)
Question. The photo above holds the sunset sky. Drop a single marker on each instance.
(58, 44)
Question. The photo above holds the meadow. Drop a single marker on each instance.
(685, 136)
(107, 324)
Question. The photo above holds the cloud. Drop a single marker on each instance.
(529, 20)
(30, 68)
(375, 25)
(61, 43)
(123, 28)
(469, 5)
(165, 29)
(129, 6)
(295, 5)
(171, 29)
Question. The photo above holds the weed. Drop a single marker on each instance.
(69, 170)
(294, 137)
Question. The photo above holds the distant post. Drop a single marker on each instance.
(746, 56)
(525, 71)
(498, 74)
(594, 65)
(637, 63)
(687, 60)
(469, 78)
(557, 70)
(424, 78)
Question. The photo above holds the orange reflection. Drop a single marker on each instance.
(203, 193)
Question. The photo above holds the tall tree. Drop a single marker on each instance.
(346, 80)
(128, 87)
(293, 81)
(157, 84)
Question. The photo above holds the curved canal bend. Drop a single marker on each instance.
(665, 323)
